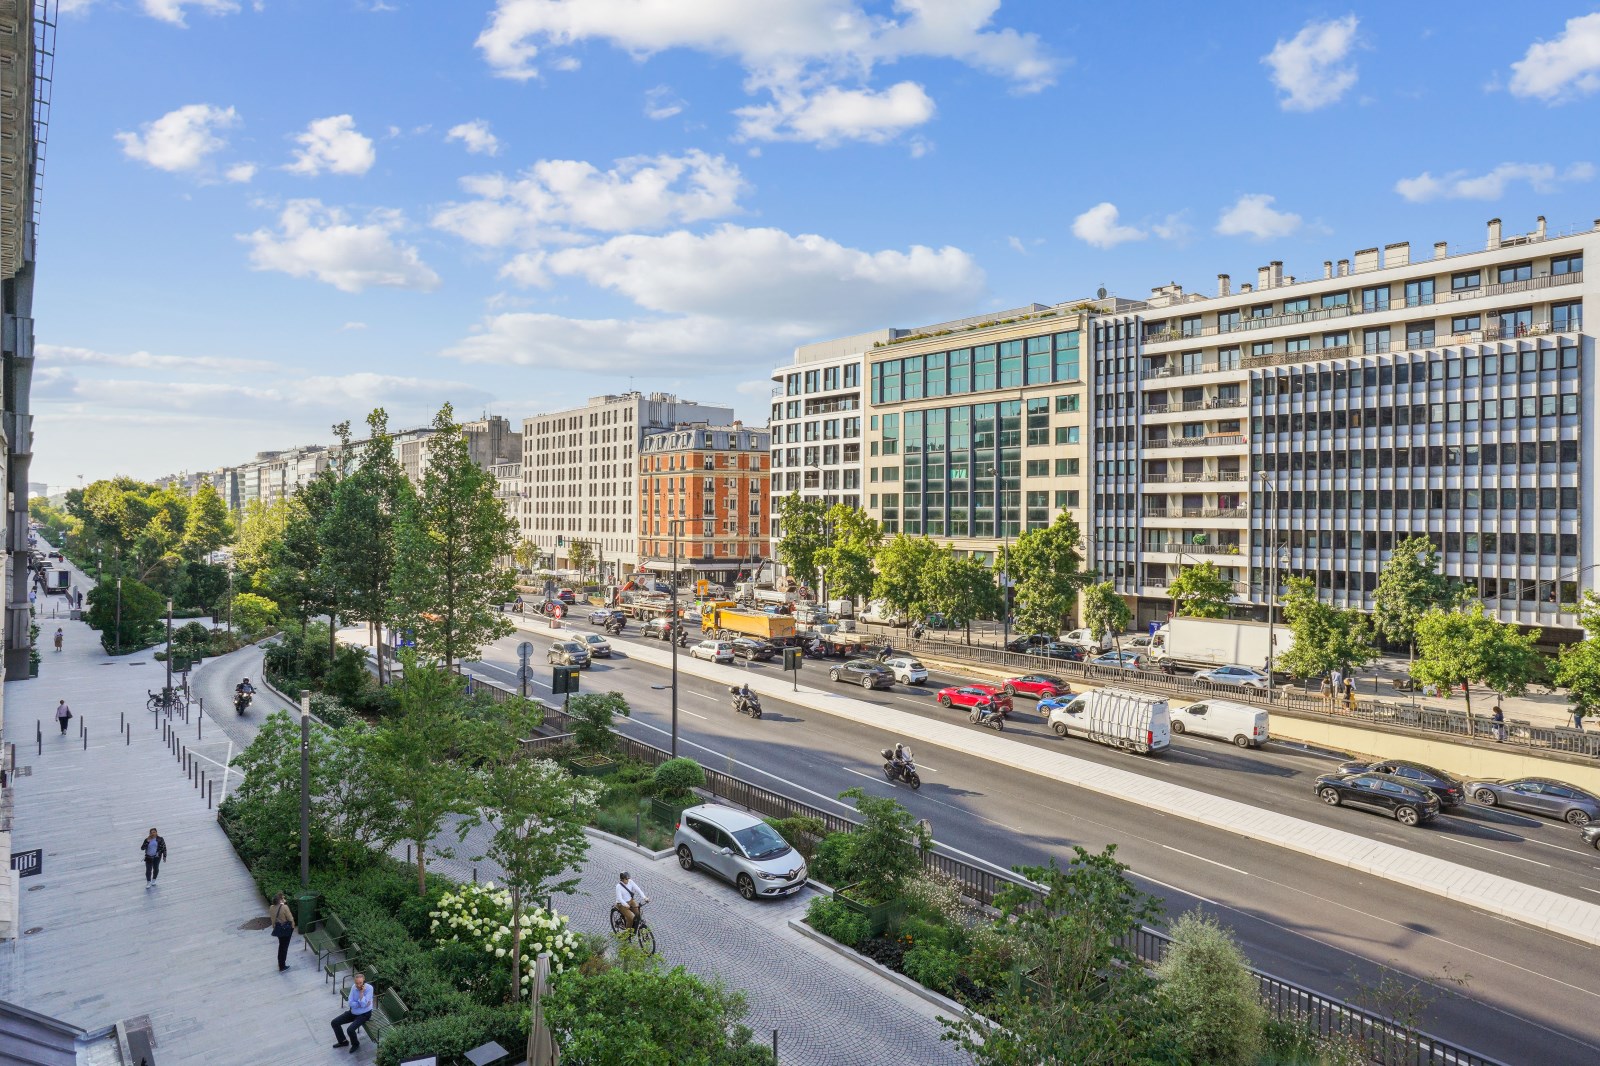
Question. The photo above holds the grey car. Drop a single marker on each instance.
(568, 653)
(739, 848)
(1538, 795)
(599, 647)
(1236, 676)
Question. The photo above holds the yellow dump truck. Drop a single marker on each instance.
(726, 622)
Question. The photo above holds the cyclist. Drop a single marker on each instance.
(629, 891)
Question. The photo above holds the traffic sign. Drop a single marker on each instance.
(525, 650)
(524, 673)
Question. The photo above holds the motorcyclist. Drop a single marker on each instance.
(630, 897)
(516, 605)
(901, 759)
(244, 689)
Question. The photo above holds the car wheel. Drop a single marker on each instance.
(1177, 728)
(685, 857)
(1407, 815)
(1241, 741)
(833, 675)
(747, 887)
(944, 701)
(1060, 729)
(972, 716)
(1008, 690)
(1330, 796)
(1486, 797)
(1578, 818)
(866, 682)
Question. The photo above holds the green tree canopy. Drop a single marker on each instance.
(847, 559)
(1409, 586)
(1046, 572)
(800, 536)
(960, 589)
(1326, 638)
(142, 609)
(1106, 612)
(1200, 591)
(580, 555)
(1461, 645)
(902, 567)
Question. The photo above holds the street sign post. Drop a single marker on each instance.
(524, 654)
(791, 662)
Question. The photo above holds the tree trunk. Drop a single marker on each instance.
(422, 868)
(516, 944)
(969, 634)
(1466, 690)
(379, 645)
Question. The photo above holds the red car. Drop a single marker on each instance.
(971, 695)
(567, 596)
(1039, 686)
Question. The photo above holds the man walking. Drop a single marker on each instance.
(63, 716)
(154, 849)
(358, 1008)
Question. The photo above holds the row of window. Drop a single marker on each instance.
(830, 429)
(1452, 367)
(1564, 545)
(1511, 499)
(1007, 365)
(1461, 458)
(933, 470)
(1454, 414)
(824, 379)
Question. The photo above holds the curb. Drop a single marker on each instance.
(944, 1003)
(623, 842)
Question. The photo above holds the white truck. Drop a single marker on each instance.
(1085, 639)
(1204, 642)
(880, 613)
(1131, 721)
(750, 592)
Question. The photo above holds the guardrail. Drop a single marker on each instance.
(1385, 1040)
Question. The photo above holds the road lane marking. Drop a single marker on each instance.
(1202, 858)
(858, 773)
(702, 717)
(1497, 851)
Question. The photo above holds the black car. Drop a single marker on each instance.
(1450, 790)
(1032, 643)
(1056, 650)
(568, 653)
(752, 650)
(659, 629)
(1407, 802)
(863, 672)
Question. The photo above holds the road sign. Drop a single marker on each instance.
(525, 650)
(702, 586)
(524, 673)
(28, 863)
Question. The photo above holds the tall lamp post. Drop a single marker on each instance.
(305, 789)
(1272, 593)
(167, 692)
(1005, 556)
(676, 525)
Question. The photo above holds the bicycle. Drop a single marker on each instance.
(170, 700)
(640, 932)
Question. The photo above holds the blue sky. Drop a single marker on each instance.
(262, 218)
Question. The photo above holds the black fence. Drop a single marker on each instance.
(1385, 1041)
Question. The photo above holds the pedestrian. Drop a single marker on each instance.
(1327, 691)
(283, 928)
(1350, 693)
(358, 1008)
(63, 716)
(1338, 680)
(154, 849)
(1577, 719)
(58, 638)
(1497, 722)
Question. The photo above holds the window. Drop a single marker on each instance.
(1336, 340)
(1190, 327)
(1567, 317)
(1294, 307)
(1068, 403)
(1375, 341)
(1010, 364)
(1515, 272)
(1335, 299)
(1466, 280)
(1067, 498)
(1419, 293)
(1261, 311)
(1297, 344)
(1466, 323)
(1516, 323)
(1068, 434)
(1067, 468)
(852, 375)
(1261, 348)
(1067, 368)
(1375, 299)
(1038, 360)
(1567, 264)
(1038, 468)
(1227, 321)
(1419, 334)
(985, 361)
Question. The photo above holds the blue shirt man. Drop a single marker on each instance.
(358, 1010)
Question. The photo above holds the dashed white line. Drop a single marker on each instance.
(1202, 858)
(691, 714)
(1504, 854)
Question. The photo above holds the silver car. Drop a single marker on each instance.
(907, 670)
(739, 848)
(1237, 676)
(598, 646)
(1538, 795)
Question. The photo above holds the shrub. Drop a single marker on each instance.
(833, 919)
(832, 859)
(451, 1037)
(933, 967)
(1213, 1000)
(480, 915)
(254, 614)
(887, 849)
(916, 932)
(675, 778)
(802, 831)
(592, 714)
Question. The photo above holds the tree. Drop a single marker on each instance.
(526, 553)
(449, 543)
(580, 555)
(254, 614)
(141, 612)
(1409, 586)
(206, 525)
(1578, 668)
(1201, 591)
(256, 542)
(847, 558)
(306, 571)
(902, 568)
(592, 714)
(1463, 644)
(801, 536)
(960, 589)
(1046, 573)
(1105, 611)
(1210, 994)
(1326, 638)
(887, 850)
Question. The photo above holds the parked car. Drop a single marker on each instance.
(1236, 676)
(601, 615)
(972, 695)
(752, 650)
(1118, 660)
(863, 672)
(718, 651)
(1449, 789)
(567, 596)
(1039, 686)
(659, 629)
(907, 670)
(1244, 726)
(1405, 801)
(739, 848)
(568, 653)
(599, 647)
(553, 608)
(1069, 653)
(1537, 795)
(1029, 643)
(1591, 835)
(1085, 639)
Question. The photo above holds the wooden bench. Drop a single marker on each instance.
(326, 936)
(388, 1010)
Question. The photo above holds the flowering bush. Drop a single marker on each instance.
(480, 915)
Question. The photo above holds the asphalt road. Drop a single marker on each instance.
(1525, 997)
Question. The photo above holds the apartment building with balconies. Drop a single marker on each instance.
(703, 501)
(1324, 419)
(818, 407)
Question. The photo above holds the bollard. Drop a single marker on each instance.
(39, 736)
(128, 734)
(199, 726)
(208, 794)
(774, 1045)
(474, 875)
(86, 739)
(408, 854)
(81, 726)
(122, 719)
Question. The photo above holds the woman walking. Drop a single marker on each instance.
(283, 928)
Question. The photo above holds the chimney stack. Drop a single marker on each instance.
(1247, 287)
(1224, 286)
(1539, 230)
(1366, 259)
(1327, 268)
(1397, 255)
(1277, 273)
(1494, 234)
(1264, 278)
(1344, 267)
(1440, 249)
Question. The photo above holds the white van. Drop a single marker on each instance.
(1246, 726)
(1131, 721)
(1084, 638)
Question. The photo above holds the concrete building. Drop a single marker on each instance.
(703, 500)
(508, 490)
(578, 472)
(817, 411)
(1332, 416)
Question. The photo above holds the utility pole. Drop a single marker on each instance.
(672, 633)
(168, 690)
(305, 790)
(119, 616)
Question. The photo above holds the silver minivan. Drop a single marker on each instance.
(739, 848)
(1240, 723)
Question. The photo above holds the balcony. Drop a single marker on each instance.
(1158, 511)
(1346, 351)
(1216, 403)
(1169, 548)
(1214, 439)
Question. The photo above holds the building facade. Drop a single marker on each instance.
(818, 409)
(579, 473)
(703, 500)
(1322, 421)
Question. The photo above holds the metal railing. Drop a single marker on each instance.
(1197, 442)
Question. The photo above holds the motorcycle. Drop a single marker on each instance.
(906, 771)
(241, 700)
(750, 704)
(615, 627)
(988, 714)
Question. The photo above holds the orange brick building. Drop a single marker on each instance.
(714, 481)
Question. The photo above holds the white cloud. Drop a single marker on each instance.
(1459, 185)
(1016, 245)
(798, 50)
(350, 326)
(1098, 227)
(335, 145)
(557, 342)
(1564, 68)
(834, 115)
(180, 140)
(661, 102)
(352, 393)
(1175, 227)
(63, 355)
(172, 10)
(240, 172)
(476, 136)
(556, 196)
(317, 241)
(1252, 215)
(1309, 67)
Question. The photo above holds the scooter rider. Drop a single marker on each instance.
(901, 759)
(244, 689)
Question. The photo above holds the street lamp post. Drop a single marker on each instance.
(676, 525)
(1272, 593)
(118, 640)
(305, 789)
(167, 692)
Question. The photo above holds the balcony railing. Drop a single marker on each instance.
(1169, 548)
(1346, 351)
(1197, 442)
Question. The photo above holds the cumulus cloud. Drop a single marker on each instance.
(240, 172)
(554, 197)
(1098, 226)
(1460, 185)
(316, 241)
(1253, 215)
(797, 51)
(1309, 68)
(476, 137)
(834, 115)
(661, 103)
(335, 145)
(63, 355)
(173, 10)
(1564, 68)
(180, 140)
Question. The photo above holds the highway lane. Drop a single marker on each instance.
(1309, 921)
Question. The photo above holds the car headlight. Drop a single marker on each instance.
(769, 877)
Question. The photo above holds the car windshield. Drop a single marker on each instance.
(761, 841)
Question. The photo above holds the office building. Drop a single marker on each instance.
(703, 500)
(817, 412)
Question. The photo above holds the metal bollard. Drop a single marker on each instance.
(122, 719)
(86, 739)
(408, 854)
(474, 875)
(199, 727)
(774, 1045)
(128, 733)
(208, 794)
(38, 734)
